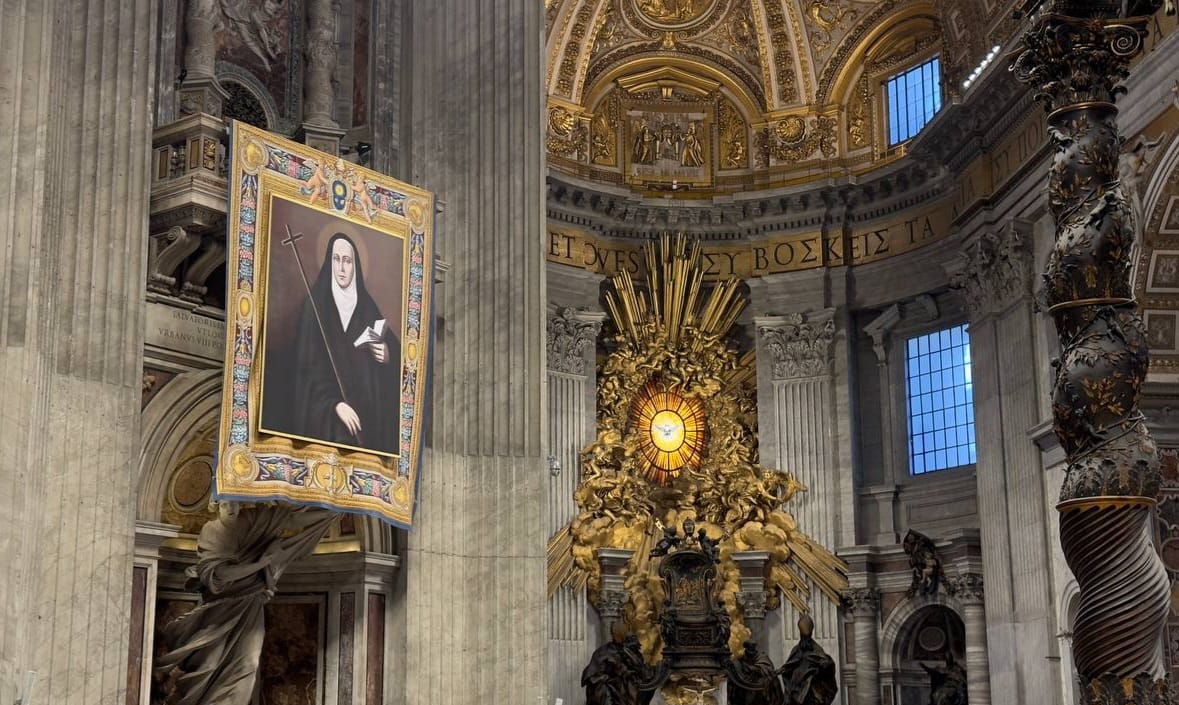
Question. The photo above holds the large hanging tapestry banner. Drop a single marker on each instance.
(327, 331)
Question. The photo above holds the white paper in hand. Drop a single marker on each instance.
(372, 334)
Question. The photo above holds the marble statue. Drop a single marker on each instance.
(214, 650)
(924, 562)
(947, 684)
(808, 676)
(753, 679)
(616, 673)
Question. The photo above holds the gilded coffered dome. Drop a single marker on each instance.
(704, 97)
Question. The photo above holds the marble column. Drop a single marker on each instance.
(200, 92)
(797, 436)
(968, 588)
(475, 603)
(864, 605)
(570, 351)
(320, 129)
(994, 274)
(76, 97)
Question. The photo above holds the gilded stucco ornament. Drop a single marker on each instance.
(1075, 57)
(671, 337)
(674, 14)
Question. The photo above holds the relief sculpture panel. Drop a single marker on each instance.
(669, 147)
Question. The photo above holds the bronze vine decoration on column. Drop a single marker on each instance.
(1075, 56)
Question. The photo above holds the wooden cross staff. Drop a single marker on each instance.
(290, 240)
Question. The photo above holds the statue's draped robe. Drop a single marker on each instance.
(371, 388)
(947, 685)
(217, 646)
(754, 682)
(808, 676)
(614, 674)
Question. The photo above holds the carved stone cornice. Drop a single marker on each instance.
(799, 345)
(570, 333)
(967, 587)
(608, 212)
(994, 271)
(861, 602)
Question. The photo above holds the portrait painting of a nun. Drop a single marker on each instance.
(332, 351)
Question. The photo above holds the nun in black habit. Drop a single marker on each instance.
(346, 391)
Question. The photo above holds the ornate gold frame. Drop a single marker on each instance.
(254, 464)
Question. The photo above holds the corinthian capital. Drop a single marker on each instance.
(799, 344)
(967, 587)
(995, 270)
(861, 602)
(1080, 59)
(570, 333)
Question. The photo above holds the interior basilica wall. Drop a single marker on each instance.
(841, 426)
(115, 347)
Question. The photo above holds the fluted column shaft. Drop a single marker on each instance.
(799, 438)
(571, 374)
(475, 562)
(75, 105)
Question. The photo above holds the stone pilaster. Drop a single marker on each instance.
(994, 274)
(968, 588)
(77, 94)
(320, 129)
(569, 351)
(864, 606)
(475, 561)
(200, 92)
(613, 562)
(798, 349)
(880, 330)
(752, 597)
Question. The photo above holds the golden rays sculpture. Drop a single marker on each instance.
(677, 440)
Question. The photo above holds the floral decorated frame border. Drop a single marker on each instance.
(254, 466)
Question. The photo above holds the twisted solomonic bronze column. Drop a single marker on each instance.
(1075, 56)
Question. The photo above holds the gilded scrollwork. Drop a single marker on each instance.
(568, 135)
(794, 139)
(609, 32)
(742, 35)
(676, 339)
(567, 71)
(859, 127)
(782, 57)
(734, 137)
